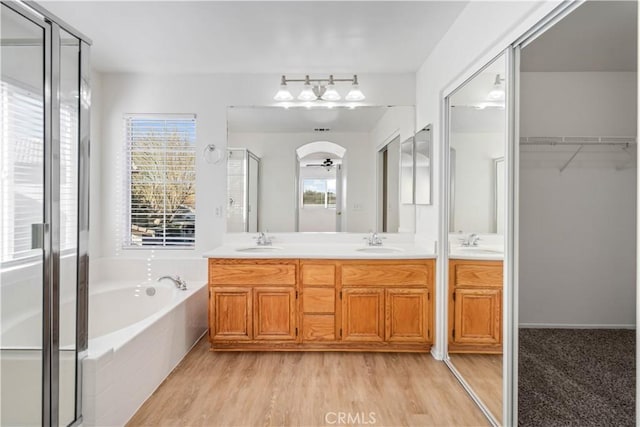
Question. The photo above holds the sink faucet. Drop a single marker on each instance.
(263, 239)
(472, 240)
(180, 283)
(374, 239)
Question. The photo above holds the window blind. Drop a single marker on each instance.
(161, 181)
(22, 204)
(22, 123)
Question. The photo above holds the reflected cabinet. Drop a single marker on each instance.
(475, 306)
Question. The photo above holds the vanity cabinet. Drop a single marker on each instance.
(313, 304)
(475, 306)
(252, 300)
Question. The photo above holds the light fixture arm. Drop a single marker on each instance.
(319, 89)
(308, 80)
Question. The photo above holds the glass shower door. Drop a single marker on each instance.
(22, 215)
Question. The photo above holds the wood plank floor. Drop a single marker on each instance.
(308, 389)
(483, 372)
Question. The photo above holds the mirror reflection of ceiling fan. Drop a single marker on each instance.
(327, 163)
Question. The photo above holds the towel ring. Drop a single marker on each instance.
(212, 154)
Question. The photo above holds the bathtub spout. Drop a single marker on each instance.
(180, 283)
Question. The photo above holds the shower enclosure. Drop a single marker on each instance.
(44, 170)
(243, 187)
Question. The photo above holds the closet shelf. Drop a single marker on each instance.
(565, 149)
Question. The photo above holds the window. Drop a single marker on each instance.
(161, 181)
(319, 193)
(22, 169)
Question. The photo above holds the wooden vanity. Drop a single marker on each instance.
(320, 304)
(475, 306)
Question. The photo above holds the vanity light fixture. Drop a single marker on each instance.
(497, 93)
(319, 90)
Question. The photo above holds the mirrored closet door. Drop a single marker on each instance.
(477, 134)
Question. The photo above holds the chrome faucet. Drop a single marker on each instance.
(263, 239)
(374, 239)
(472, 240)
(180, 283)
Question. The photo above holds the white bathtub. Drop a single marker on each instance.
(135, 341)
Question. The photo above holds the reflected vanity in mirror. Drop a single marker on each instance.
(317, 169)
(476, 145)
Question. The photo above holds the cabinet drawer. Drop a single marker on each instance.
(318, 274)
(478, 274)
(318, 300)
(252, 274)
(385, 275)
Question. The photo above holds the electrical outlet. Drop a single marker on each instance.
(219, 211)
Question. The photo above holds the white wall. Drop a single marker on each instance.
(207, 96)
(577, 234)
(474, 179)
(589, 103)
(577, 247)
(278, 172)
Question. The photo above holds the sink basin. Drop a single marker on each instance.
(379, 250)
(259, 249)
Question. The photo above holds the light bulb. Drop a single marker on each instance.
(331, 94)
(307, 93)
(355, 94)
(496, 94)
(283, 94)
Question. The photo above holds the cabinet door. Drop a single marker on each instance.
(363, 314)
(230, 314)
(407, 315)
(477, 316)
(274, 314)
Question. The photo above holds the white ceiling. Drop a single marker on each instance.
(277, 119)
(597, 36)
(259, 36)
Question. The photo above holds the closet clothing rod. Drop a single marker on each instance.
(577, 140)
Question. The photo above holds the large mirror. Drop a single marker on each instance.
(476, 145)
(317, 169)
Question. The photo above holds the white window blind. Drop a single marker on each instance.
(161, 181)
(22, 122)
(22, 204)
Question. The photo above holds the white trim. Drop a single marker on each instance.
(575, 326)
(492, 419)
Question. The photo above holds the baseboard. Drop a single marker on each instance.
(574, 326)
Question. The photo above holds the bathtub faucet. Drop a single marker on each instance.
(180, 283)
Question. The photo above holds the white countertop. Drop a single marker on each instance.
(323, 248)
(479, 253)
(490, 247)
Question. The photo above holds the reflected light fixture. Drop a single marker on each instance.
(355, 94)
(319, 90)
(283, 93)
(497, 93)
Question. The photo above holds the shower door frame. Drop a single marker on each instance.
(52, 27)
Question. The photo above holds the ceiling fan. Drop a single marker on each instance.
(327, 163)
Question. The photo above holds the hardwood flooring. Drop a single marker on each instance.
(308, 389)
(483, 372)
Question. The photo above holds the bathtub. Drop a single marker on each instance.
(135, 341)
